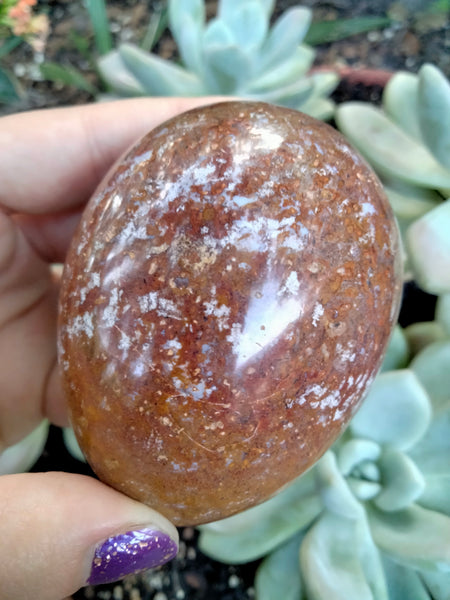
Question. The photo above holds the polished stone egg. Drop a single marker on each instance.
(226, 303)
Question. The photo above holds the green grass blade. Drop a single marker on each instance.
(67, 75)
(156, 27)
(332, 31)
(9, 45)
(100, 25)
(10, 90)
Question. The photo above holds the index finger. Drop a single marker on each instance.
(55, 158)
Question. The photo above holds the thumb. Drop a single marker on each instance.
(59, 532)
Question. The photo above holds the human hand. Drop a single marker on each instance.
(56, 529)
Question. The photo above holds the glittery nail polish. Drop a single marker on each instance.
(130, 552)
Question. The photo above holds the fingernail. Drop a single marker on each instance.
(130, 552)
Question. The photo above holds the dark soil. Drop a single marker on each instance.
(418, 36)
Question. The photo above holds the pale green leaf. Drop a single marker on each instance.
(291, 95)
(319, 108)
(437, 493)
(100, 25)
(355, 451)
(420, 335)
(334, 490)
(189, 43)
(339, 560)
(249, 25)
(410, 202)
(187, 11)
(403, 583)
(400, 102)
(442, 314)
(226, 69)
(416, 537)
(388, 148)
(397, 353)
(432, 367)
(117, 77)
(159, 77)
(278, 576)
(227, 8)
(434, 112)
(437, 583)
(402, 481)
(396, 411)
(428, 246)
(22, 456)
(72, 445)
(291, 69)
(284, 37)
(259, 530)
(217, 35)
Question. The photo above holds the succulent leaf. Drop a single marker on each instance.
(278, 576)
(339, 560)
(291, 95)
(400, 102)
(22, 456)
(403, 583)
(228, 8)
(72, 445)
(415, 537)
(421, 335)
(249, 25)
(319, 108)
(333, 489)
(442, 314)
(403, 483)
(189, 42)
(113, 70)
(437, 583)
(187, 20)
(284, 37)
(400, 395)
(261, 529)
(428, 244)
(226, 68)
(434, 112)
(158, 76)
(355, 451)
(293, 67)
(397, 353)
(432, 368)
(388, 148)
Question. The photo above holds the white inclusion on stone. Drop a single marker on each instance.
(195, 175)
(323, 398)
(92, 283)
(173, 345)
(367, 209)
(109, 316)
(255, 235)
(296, 241)
(317, 313)
(243, 201)
(81, 324)
(291, 285)
(221, 313)
(124, 343)
(130, 233)
(148, 302)
(267, 317)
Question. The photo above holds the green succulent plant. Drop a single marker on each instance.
(237, 53)
(407, 141)
(371, 520)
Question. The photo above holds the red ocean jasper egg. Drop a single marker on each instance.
(225, 305)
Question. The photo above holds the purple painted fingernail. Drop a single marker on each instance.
(130, 552)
